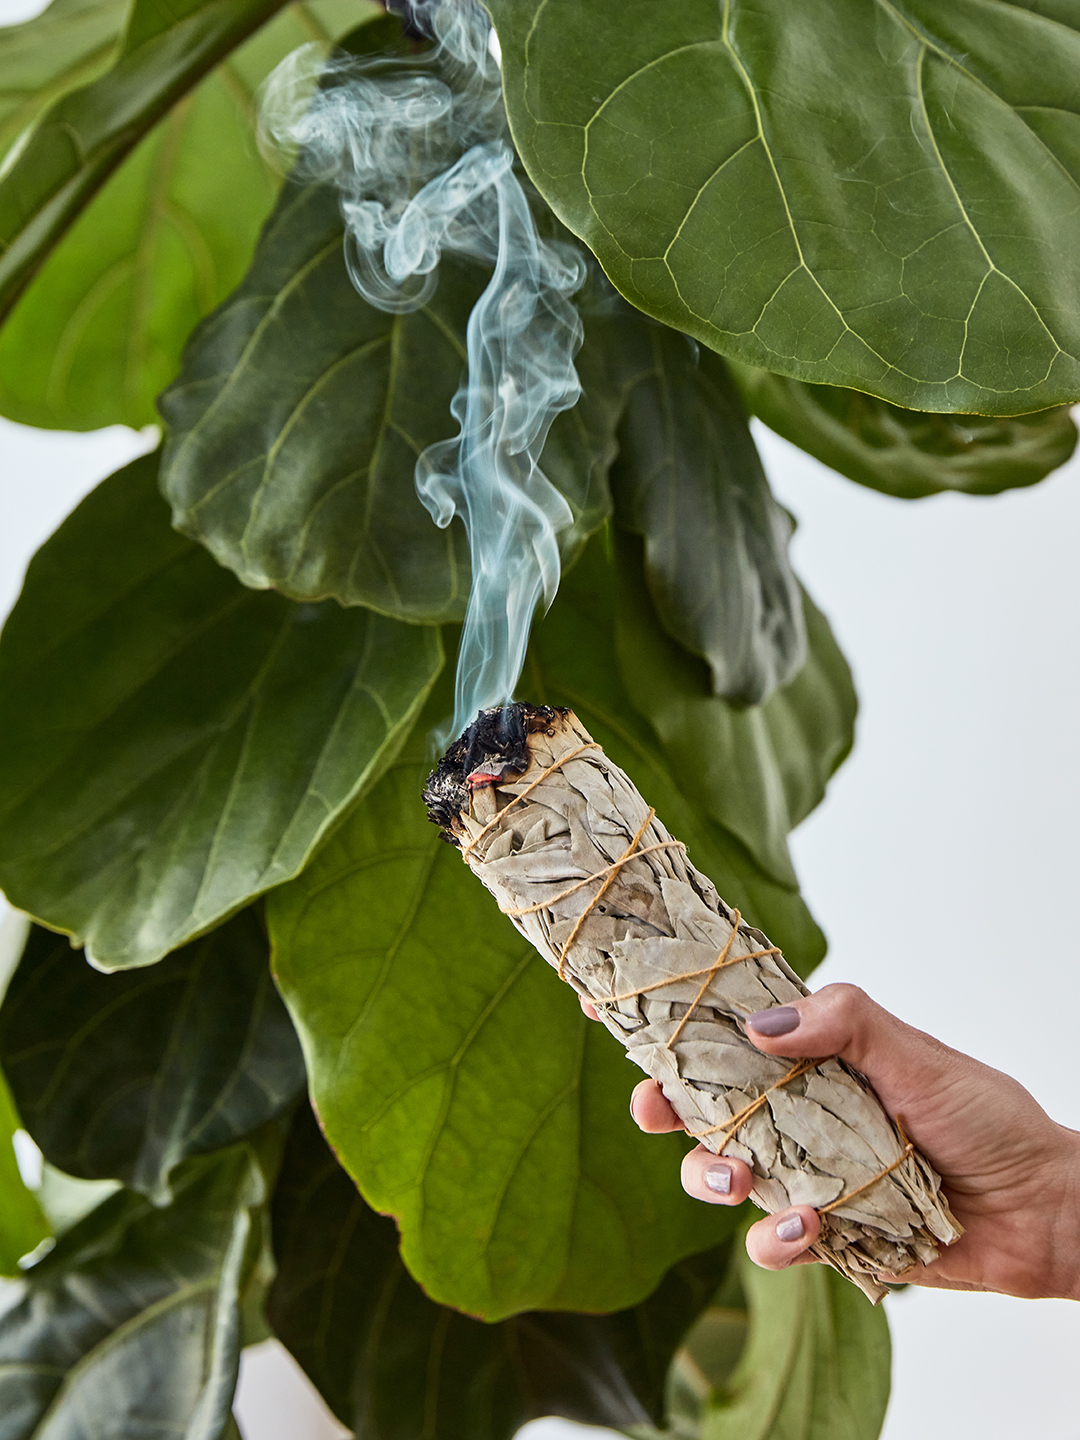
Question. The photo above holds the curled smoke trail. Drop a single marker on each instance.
(422, 166)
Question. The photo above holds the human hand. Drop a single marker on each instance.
(1010, 1173)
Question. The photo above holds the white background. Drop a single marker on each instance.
(942, 864)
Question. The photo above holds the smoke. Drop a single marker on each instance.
(419, 154)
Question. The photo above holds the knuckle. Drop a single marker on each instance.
(847, 1012)
(845, 1000)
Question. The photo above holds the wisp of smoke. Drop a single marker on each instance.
(422, 165)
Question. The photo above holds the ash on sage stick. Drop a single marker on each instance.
(577, 859)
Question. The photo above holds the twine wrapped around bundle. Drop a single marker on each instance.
(578, 860)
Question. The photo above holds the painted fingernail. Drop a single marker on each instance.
(790, 1229)
(779, 1021)
(718, 1179)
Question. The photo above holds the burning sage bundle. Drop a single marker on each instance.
(580, 863)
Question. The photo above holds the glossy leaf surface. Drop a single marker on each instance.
(299, 415)
(688, 478)
(392, 1364)
(125, 1076)
(175, 743)
(131, 1325)
(908, 453)
(99, 331)
(757, 770)
(166, 50)
(877, 196)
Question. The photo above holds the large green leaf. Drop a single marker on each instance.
(458, 1081)
(580, 654)
(125, 1076)
(909, 453)
(878, 196)
(131, 1325)
(757, 770)
(450, 1068)
(688, 478)
(174, 743)
(815, 1365)
(297, 419)
(100, 330)
(300, 411)
(68, 45)
(168, 46)
(23, 1225)
(393, 1365)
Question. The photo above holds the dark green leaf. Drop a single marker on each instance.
(579, 657)
(99, 331)
(130, 1326)
(298, 417)
(23, 1225)
(68, 45)
(878, 196)
(126, 1076)
(688, 478)
(909, 453)
(168, 46)
(458, 1081)
(759, 770)
(300, 412)
(394, 1365)
(816, 1362)
(174, 744)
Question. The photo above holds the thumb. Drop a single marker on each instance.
(915, 1076)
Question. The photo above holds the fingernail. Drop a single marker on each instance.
(633, 1102)
(790, 1229)
(718, 1179)
(779, 1021)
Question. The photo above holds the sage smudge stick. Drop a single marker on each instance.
(580, 863)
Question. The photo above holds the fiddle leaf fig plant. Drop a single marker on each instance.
(317, 1085)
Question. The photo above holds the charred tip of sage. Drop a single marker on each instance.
(493, 748)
